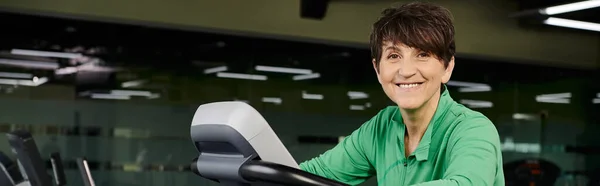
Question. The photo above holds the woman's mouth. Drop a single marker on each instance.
(408, 85)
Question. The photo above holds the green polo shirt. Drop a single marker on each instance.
(459, 147)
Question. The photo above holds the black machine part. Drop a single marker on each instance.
(262, 171)
(9, 171)
(28, 156)
(225, 156)
(58, 169)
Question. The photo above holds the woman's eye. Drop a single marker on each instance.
(423, 55)
(393, 56)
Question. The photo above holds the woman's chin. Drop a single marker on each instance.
(408, 105)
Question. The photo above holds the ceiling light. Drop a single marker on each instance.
(31, 83)
(521, 116)
(572, 24)
(357, 107)
(66, 70)
(274, 100)
(477, 103)
(283, 70)
(16, 75)
(241, 76)
(357, 95)
(109, 96)
(571, 7)
(134, 83)
(554, 98)
(596, 101)
(306, 76)
(312, 96)
(470, 87)
(45, 53)
(131, 93)
(29, 64)
(215, 70)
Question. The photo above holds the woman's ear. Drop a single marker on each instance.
(376, 68)
(448, 71)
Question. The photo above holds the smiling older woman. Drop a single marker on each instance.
(428, 138)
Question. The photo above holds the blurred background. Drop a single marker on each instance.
(119, 81)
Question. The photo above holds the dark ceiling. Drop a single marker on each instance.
(186, 53)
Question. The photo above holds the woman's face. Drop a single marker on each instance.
(409, 76)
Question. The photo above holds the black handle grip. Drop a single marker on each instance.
(58, 169)
(280, 174)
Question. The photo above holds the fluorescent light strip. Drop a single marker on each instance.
(134, 83)
(306, 76)
(572, 24)
(477, 103)
(215, 70)
(241, 76)
(274, 100)
(554, 98)
(596, 101)
(45, 53)
(571, 7)
(66, 70)
(312, 96)
(29, 64)
(357, 107)
(32, 83)
(283, 70)
(357, 95)
(522, 116)
(110, 96)
(470, 87)
(475, 89)
(466, 84)
(16, 75)
(131, 93)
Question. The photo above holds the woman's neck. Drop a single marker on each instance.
(417, 120)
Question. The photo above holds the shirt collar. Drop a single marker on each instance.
(422, 151)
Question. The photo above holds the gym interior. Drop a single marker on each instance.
(115, 84)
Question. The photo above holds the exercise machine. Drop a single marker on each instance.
(30, 168)
(9, 171)
(28, 157)
(84, 170)
(237, 147)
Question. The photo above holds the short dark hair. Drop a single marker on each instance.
(420, 25)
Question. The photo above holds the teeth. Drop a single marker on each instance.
(408, 85)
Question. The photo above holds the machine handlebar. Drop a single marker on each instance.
(280, 174)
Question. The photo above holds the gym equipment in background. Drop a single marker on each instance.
(237, 147)
(9, 171)
(28, 157)
(531, 172)
(84, 169)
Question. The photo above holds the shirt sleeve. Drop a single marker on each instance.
(348, 161)
(473, 156)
